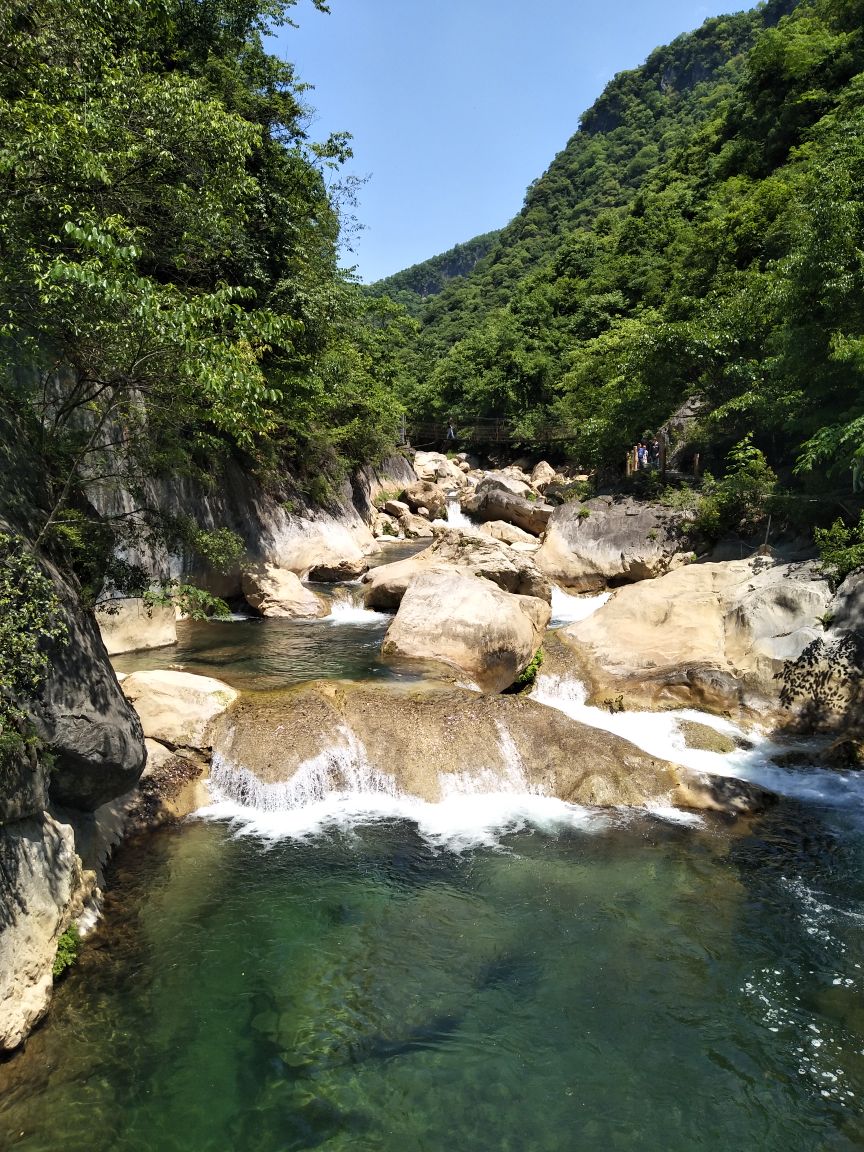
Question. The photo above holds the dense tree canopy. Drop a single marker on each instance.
(169, 288)
(701, 235)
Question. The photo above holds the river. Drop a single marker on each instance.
(507, 973)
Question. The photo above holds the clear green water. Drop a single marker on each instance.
(631, 987)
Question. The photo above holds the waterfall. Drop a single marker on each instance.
(347, 607)
(456, 518)
(339, 788)
(340, 770)
(568, 609)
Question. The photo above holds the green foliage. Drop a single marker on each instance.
(68, 947)
(30, 620)
(841, 548)
(699, 236)
(528, 675)
(219, 547)
(191, 601)
(384, 495)
(739, 502)
(169, 289)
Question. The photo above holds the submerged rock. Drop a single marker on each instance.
(610, 541)
(470, 624)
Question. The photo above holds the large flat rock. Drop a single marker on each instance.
(427, 741)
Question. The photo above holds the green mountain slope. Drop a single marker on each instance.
(701, 233)
(414, 285)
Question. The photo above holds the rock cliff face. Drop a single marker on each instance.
(294, 536)
(97, 749)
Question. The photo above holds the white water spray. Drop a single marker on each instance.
(568, 608)
(660, 734)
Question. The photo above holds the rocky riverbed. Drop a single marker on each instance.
(751, 644)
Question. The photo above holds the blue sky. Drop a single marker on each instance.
(455, 106)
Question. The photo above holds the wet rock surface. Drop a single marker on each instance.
(429, 740)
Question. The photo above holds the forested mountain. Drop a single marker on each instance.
(701, 234)
(411, 287)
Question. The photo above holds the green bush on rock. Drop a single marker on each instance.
(68, 947)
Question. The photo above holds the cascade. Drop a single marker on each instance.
(456, 518)
(660, 734)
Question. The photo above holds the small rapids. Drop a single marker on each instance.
(660, 734)
(339, 789)
(455, 517)
(569, 609)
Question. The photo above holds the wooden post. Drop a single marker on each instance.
(696, 465)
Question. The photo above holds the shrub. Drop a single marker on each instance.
(528, 675)
(29, 621)
(841, 548)
(740, 501)
(68, 947)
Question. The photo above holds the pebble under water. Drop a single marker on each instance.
(629, 985)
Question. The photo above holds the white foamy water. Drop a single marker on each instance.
(568, 608)
(659, 734)
(456, 518)
(347, 612)
(339, 789)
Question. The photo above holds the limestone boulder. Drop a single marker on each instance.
(277, 592)
(415, 527)
(333, 573)
(425, 494)
(608, 541)
(430, 741)
(470, 624)
(396, 508)
(506, 533)
(470, 553)
(439, 469)
(130, 625)
(93, 734)
(846, 610)
(42, 889)
(23, 785)
(512, 480)
(178, 708)
(543, 475)
(710, 635)
(320, 547)
(491, 500)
